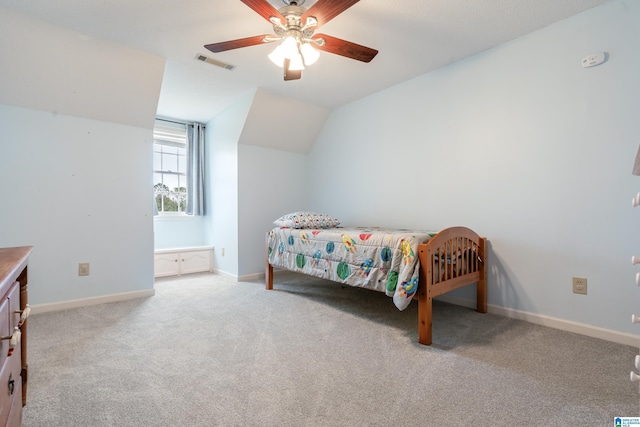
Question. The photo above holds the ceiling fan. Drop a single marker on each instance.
(294, 26)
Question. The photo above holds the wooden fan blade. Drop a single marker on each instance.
(345, 48)
(264, 9)
(235, 44)
(325, 10)
(289, 74)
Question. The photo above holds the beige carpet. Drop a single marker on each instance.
(206, 351)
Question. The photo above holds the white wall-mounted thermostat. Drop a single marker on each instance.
(593, 59)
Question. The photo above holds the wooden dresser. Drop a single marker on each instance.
(14, 311)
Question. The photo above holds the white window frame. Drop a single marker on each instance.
(170, 134)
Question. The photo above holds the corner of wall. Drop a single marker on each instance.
(221, 163)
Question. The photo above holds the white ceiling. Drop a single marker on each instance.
(413, 37)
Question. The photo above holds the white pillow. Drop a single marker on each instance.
(305, 219)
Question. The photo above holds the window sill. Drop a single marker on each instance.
(175, 217)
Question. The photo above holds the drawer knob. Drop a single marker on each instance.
(24, 314)
(14, 340)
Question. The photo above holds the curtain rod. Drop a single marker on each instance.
(177, 122)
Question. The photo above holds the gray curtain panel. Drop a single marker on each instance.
(195, 169)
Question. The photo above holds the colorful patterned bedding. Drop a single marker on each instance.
(374, 258)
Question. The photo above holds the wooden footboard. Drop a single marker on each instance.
(454, 258)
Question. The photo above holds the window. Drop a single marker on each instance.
(170, 167)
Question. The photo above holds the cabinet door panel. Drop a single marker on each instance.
(166, 265)
(196, 261)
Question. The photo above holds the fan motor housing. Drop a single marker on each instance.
(292, 14)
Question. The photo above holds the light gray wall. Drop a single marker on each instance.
(221, 220)
(178, 231)
(519, 143)
(78, 190)
(249, 187)
(271, 183)
(76, 163)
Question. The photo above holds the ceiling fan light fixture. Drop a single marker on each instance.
(309, 54)
(293, 29)
(296, 63)
(290, 47)
(277, 56)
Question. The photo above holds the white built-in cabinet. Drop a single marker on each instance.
(175, 262)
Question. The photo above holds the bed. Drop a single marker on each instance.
(404, 264)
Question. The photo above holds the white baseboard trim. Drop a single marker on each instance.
(84, 302)
(225, 274)
(251, 277)
(245, 278)
(552, 322)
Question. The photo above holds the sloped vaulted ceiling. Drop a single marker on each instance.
(275, 121)
(50, 68)
(414, 37)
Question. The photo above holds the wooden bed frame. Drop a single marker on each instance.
(453, 258)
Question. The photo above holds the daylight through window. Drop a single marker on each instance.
(170, 167)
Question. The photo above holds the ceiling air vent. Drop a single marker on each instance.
(208, 60)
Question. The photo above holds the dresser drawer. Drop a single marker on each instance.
(14, 306)
(10, 366)
(11, 388)
(14, 273)
(5, 330)
(15, 413)
(9, 318)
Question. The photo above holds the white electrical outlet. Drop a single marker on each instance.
(83, 269)
(580, 285)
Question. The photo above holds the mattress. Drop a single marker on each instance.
(374, 258)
